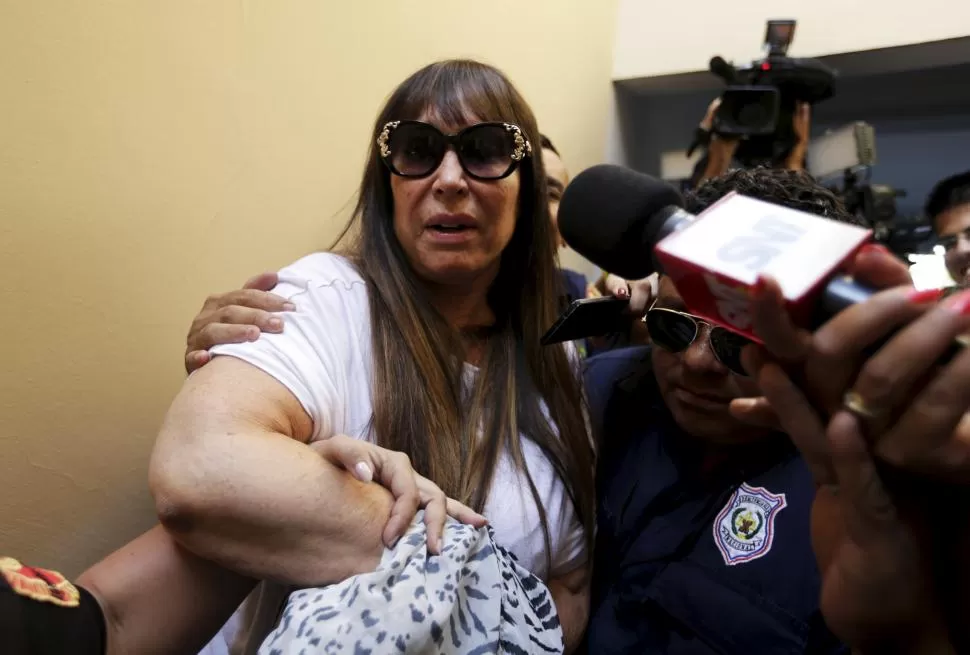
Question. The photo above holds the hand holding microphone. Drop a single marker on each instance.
(873, 267)
(633, 225)
(888, 441)
(887, 580)
(912, 411)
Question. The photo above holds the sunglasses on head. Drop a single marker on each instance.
(486, 151)
(676, 331)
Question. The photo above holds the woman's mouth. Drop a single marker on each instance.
(450, 233)
(450, 228)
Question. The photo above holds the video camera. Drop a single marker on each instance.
(876, 205)
(843, 159)
(760, 99)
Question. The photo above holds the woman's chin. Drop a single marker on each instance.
(458, 270)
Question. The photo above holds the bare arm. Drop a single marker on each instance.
(720, 153)
(801, 126)
(159, 598)
(234, 482)
(570, 593)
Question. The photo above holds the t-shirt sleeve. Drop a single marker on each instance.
(320, 347)
(572, 547)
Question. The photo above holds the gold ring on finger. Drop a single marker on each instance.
(855, 403)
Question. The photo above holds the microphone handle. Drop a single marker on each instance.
(842, 292)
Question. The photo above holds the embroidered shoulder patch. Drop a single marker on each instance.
(40, 584)
(745, 528)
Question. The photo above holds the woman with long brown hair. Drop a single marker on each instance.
(422, 336)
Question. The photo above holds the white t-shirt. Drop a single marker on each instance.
(324, 357)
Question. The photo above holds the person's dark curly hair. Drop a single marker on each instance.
(948, 193)
(794, 189)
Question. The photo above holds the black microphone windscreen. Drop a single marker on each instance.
(605, 210)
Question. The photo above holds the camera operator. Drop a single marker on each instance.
(948, 210)
(720, 150)
(762, 118)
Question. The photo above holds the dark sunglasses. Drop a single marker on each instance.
(676, 331)
(486, 151)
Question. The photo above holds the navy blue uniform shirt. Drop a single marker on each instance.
(695, 553)
(574, 284)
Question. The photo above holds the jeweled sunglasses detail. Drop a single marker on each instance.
(486, 151)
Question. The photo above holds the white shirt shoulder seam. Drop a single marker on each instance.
(312, 285)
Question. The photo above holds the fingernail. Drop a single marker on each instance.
(275, 324)
(959, 304)
(364, 472)
(874, 249)
(924, 296)
(252, 333)
(622, 292)
(758, 290)
(743, 404)
(289, 307)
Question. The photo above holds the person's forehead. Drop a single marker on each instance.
(953, 220)
(433, 116)
(555, 168)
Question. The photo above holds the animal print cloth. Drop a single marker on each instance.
(472, 599)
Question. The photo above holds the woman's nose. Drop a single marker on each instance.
(450, 177)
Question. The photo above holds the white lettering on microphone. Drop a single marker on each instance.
(731, 302)
(739, 238)
(770, 235)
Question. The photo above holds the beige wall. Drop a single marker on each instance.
(659, 39)
(153, 152)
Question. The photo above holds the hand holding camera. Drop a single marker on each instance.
(765, 106)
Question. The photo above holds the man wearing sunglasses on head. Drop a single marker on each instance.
(703, 542)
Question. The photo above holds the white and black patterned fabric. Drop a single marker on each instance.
(472, 599)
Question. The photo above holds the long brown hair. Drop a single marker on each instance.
(421, 406)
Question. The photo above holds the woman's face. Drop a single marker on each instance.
(556, 180)
(452, 227)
